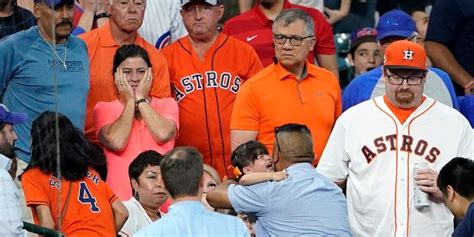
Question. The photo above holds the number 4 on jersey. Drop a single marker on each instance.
(85, 197)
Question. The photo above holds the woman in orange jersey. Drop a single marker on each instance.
(72, 199)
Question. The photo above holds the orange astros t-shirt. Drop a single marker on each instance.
(205, 90)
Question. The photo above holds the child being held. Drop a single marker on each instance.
(253, 164)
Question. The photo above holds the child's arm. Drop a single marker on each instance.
(254, 178)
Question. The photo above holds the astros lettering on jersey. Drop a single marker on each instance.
(205, 90)
(375, 153)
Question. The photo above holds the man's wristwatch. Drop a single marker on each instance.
(140, 101)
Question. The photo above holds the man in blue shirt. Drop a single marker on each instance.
(182, 171)
(456, 182)
(304, 204)
(44, 68)
(393, 26)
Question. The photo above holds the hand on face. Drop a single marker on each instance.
(144, 86)
(124, 89)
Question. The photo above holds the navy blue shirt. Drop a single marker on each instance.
(466, 227)
(452, 24)
(21, 19)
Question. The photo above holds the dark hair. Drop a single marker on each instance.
(76, 154)
(297, 148)
(182, 170)
(129, 51)
(143, 160)
(247, 153)
(459, 173)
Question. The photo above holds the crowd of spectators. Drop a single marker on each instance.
(233, 117)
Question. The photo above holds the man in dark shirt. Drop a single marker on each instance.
(14, 18)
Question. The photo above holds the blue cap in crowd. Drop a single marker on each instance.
(395, 23)
(11, 117)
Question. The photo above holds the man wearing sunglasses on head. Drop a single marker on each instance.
(393, 26)
(375, 147)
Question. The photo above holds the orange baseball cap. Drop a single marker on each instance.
(404, 54)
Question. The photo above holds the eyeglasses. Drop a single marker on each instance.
(294, 40)
(191, 9)
(412, 80)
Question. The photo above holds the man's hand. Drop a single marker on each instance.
(426, 181)
(469, 88)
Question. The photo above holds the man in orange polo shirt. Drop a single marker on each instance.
(291, 90)
(125, 19)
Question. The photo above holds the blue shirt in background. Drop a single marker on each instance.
(368, 85)
(192, 218)
(304, 204)
(34, 80)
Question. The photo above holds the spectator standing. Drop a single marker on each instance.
(134, 122)
(393, 26)
(255, 28)
(182, 171)
(450, 41)
(207, 69)
(456, 181)
(162, 23)
(10, 221)
(126, 17)
(44, 68)
(72, 199)
(288, 207)
(14, 18)
(376, 146)
(290, 91)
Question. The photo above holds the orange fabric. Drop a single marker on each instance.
(205, 90)
(81, 219)
(404, 53)
(401, 114)
(101, 48)
(275, 97)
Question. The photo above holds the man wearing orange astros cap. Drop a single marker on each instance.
(376, 146)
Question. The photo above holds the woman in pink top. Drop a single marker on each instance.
(135, 122)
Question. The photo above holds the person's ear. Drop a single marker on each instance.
(36, 10)
(220, 10)
(134, 184)
(350, 59)
(450, 193)
(246, 169)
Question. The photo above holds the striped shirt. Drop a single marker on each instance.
(162, 23)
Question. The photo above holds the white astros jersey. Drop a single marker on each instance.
(376, 154)
(162, 23)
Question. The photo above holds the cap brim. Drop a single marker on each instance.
(401, 33)
(15, 118)
(404, 67)
(361, 40)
